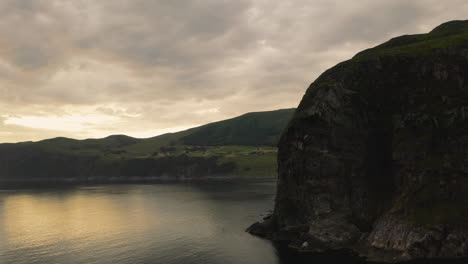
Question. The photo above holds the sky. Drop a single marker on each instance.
(89, 69)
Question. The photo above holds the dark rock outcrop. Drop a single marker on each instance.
(376, 156)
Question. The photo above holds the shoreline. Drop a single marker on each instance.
(361, 252)
(57, 182)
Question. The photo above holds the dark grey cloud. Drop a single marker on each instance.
(152, 65)
(170, 33)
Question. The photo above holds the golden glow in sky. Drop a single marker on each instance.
(84, 69)
(64, 123)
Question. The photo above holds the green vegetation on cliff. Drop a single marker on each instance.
(451, 34)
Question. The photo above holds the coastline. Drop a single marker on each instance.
(57, 182)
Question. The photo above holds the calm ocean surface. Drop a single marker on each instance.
(158, 223)
(176, 223)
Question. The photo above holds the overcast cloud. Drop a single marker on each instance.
(86, 68)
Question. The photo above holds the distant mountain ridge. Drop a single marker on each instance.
(241, 146)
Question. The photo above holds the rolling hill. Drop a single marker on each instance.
(244, 146)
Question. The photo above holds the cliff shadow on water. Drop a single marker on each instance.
(287, 255)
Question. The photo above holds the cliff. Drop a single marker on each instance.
(376, 157)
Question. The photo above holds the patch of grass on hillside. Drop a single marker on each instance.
(253, 129)
(451, 34)
(254, 165)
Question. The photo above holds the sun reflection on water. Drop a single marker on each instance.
(32, 220)
(161, 223)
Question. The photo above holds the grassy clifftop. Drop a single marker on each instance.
(450, 34)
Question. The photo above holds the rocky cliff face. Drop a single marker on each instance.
(376, 157)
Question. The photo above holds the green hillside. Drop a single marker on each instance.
(254, 129)
(241, 146)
